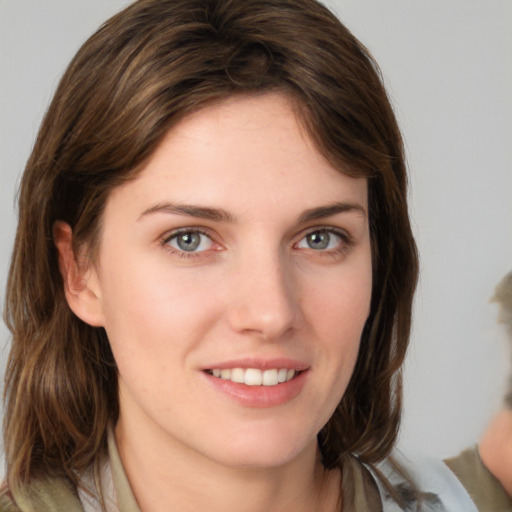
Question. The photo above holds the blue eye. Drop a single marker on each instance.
(190, 241)
(321, 240)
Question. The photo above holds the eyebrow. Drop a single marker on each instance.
(221, 215)
(328, 211)
(201, 212)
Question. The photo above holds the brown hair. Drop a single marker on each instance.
(137, 76)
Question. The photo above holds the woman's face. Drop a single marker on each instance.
(234, 280)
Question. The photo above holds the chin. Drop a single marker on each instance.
(264, 448)
(260, 459)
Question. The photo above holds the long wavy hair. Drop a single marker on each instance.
(136, 77)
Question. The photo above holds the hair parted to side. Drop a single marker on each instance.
(137, 76)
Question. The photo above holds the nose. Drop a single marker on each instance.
(265, 298)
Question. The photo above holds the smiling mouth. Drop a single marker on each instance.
(255, 376)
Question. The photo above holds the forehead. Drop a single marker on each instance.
(244, 153)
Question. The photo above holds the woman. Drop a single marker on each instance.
(210, 292)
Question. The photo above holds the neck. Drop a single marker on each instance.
(162, 472)
(496, 448)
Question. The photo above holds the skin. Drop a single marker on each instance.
(496, 448)
(254, 289)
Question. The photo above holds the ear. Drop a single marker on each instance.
(81, 285)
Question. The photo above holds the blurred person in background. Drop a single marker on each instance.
(486, 470)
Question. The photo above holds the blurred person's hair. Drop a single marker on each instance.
(503, 296)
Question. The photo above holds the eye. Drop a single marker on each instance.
(190, 241)
(321, 240)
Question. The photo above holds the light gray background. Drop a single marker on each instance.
(448, 68)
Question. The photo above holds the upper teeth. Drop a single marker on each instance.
(254, 376)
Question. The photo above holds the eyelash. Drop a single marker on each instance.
(346, 240)
(183, 231)
(345, 244)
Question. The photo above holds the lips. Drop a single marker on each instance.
(258, 384)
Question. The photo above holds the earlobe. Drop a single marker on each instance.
(80, 280)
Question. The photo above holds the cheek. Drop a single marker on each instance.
(149, 307)
(340, 307)
(338, 312)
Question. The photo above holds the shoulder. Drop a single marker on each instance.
(482, 486)
(41, 495)
(423, 483)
